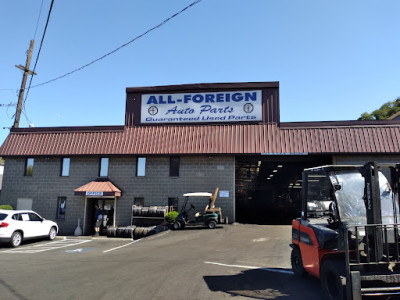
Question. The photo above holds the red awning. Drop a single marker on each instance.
(98, 188)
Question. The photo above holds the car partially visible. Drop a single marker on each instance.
(17, 226)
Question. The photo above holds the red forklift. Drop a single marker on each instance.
(348, 232)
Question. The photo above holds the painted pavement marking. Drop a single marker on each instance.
(47, 246)
(116, 248)
(283, 271)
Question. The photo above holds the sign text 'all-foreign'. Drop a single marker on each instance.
(202, 107)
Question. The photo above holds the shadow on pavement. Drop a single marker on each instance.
(265, 284)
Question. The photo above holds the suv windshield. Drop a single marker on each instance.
(350, 200)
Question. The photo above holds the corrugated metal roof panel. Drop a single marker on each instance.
(204, 139)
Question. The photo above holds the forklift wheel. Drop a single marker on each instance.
(177, 226)
(297, 262)
(332, 280)
(212, 224)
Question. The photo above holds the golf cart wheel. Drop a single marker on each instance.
(297, 262)
(176, 225)
(16, 239)
(332, 280)
(212, 224)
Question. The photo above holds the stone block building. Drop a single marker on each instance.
(180, 139)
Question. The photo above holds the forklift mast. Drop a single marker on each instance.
(372, 193)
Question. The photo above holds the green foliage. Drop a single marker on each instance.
(384, 112)
(1, 161)
(6, 206)
(171, 216)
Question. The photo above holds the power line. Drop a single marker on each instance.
(38, 19)
(8, 104)
(40, 48)
(122, 46)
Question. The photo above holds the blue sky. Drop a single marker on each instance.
(334, 59)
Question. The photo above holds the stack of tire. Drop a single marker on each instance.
(151, 211)
(130, 232)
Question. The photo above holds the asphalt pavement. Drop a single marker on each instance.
(240, 261)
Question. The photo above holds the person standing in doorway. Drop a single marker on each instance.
(98, 217)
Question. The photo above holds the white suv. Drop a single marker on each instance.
(19, 225)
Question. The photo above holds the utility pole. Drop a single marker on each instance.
(24, 78)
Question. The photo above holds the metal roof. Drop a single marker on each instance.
(290, 138)
(107, 188)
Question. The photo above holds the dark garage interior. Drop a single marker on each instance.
(268, 189)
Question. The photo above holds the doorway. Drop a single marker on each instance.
(268, 189)
(107, 208)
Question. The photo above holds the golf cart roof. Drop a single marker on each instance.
(198, 194)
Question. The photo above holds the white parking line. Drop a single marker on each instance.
(251, 268)
(135, 241)
(48, 246)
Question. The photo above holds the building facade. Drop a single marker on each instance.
(179, 139)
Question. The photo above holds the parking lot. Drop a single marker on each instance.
(245, 261)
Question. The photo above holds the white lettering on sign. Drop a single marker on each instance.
(237, 106)
(94, 193)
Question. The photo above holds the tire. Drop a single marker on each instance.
(139, 233)
(111, 232)
(52, 233)
(128, 233)
(176, 225)
(331, 276)
(16, 239)
(120, 231)
(297, 262)
(145, 232)
(211, 224)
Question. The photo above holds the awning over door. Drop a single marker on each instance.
(98, 188)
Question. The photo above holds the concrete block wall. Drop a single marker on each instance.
(197, 174)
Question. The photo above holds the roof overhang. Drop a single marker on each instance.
(98, 189)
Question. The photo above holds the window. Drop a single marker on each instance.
(29, 167)
(34, 217)
(173, 202)
(65, 167)
(17, 217)
(174, 163)
(141, 166)
(138, 201)
(104, 167)
(61, 207)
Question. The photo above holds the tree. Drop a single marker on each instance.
(384, 112)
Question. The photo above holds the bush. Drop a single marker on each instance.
(8, 207)
(171, 216)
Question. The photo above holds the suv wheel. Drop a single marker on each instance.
(16, 239)
(52, 233)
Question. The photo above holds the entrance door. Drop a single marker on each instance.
(107, 208)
